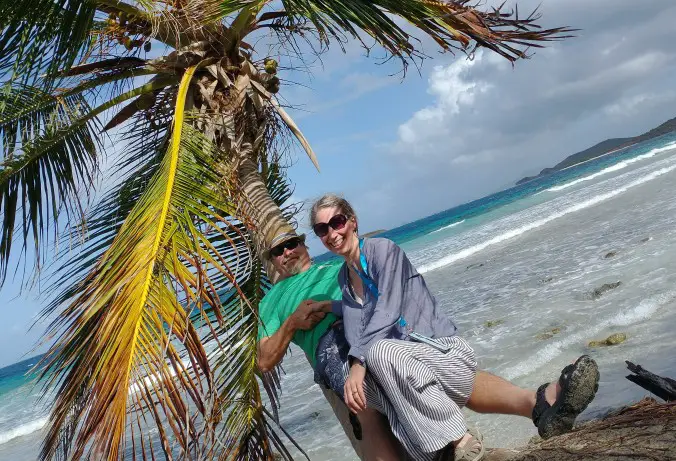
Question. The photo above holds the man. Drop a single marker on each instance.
(293, 312)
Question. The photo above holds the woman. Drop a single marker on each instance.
(423, 395)
(399, 354)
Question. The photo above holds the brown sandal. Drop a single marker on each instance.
(472, 450)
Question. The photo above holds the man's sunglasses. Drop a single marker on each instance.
(288, 245)
(336, 223)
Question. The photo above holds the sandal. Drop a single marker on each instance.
(579, 383)
(472, 450)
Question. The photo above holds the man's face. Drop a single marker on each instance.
(290, 258)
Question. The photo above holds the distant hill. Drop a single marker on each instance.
(604, 147)
(373, 233)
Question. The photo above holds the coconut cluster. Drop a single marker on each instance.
(271, 81)
(117, 28)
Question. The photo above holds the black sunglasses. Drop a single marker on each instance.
(288, 245)
(336, 223)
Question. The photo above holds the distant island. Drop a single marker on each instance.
(373, 233)
(603, 148)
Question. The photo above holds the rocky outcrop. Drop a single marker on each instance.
(612, 340)
(548, 334)
(596, 293)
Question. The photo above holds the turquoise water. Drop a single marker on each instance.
(16, 375)
(488, 259)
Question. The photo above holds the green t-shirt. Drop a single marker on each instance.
(319, 283)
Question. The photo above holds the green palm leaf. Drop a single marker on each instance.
(42, 36)
(452, 24)
(48, 153)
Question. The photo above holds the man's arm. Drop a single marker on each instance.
(271, 349)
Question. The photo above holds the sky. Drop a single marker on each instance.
(402, 148)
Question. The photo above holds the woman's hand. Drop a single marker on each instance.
(355, 399)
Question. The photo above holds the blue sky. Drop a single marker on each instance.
(401, 149)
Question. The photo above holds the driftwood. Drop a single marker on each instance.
(664, 388)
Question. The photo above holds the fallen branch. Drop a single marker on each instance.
(664, 388)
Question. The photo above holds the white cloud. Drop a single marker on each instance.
(454, 90)
(632, 105)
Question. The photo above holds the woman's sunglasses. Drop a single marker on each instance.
(336, 223)
(279, 249)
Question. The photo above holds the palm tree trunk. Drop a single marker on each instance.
(268, 221)
(264, 219)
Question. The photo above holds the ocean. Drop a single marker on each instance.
(525, 261)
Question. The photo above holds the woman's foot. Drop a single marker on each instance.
(558, 404)
(468, 448)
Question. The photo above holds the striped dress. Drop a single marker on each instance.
(420, 389)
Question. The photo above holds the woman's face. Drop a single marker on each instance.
(341, 241)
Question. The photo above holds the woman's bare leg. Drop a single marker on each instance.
(492, 394)
(378, 442)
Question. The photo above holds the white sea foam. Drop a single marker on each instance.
(448, 227)
(23, 429)
(644, 310)
(618, 166)
(445, 261)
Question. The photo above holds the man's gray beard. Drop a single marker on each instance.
(296, 268)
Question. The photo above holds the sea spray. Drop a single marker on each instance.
(23, 429)
(450, 226)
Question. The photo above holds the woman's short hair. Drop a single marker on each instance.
(331, 201)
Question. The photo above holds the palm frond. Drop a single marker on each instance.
(49, 148)
(452, 24)
(129, 325)
(148, 145)
(42, 36)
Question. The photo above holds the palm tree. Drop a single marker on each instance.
(154, 314)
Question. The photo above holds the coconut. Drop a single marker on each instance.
(270, 66)
(272, 85)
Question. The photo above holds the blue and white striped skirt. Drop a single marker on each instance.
(420, 389)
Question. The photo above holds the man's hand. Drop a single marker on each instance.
(308, 314)
(355, 398)
(271, 349)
